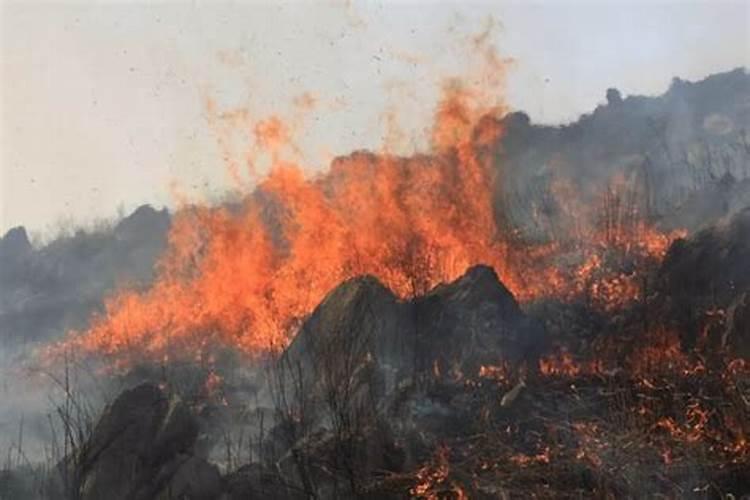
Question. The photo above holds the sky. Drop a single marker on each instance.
(109, 105)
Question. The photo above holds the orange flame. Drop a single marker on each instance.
(245, 275)
(433, 479)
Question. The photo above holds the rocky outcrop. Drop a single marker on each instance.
(709, 271)
(368, 364)
(142, 448)
(14, 246)
(474, 321)
(680, 145)
(458, 326)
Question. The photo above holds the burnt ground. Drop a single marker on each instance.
(457, 394)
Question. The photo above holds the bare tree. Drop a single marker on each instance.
(324, 394)
(71, 425)
(344, 367)
(293, 406)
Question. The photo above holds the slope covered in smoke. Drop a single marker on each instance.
(684, 157)
(45, 291)
(678, 160)
(686, 154)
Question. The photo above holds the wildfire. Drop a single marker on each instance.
(663, 353)
(562, 364)
(245, 275)
(433, 480)
(522, 459)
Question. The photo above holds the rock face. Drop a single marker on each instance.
(367, 363)
(142, 448)
(361, 330)
(709, 270)
(458, 326)
(474, 321)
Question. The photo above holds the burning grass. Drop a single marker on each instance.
(580, 431)
(245, 276)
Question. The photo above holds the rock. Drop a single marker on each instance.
(47, 291)
(369, 378)
(16, 257)
(141, 448)
(474, 321)
(714, 262)
(190, 477)
(456, 327)
(253, 482)
(144, 225)
(707, 271)
(14, 245)
(365, 318)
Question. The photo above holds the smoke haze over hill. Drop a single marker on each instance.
(688, 150)
(676, 161)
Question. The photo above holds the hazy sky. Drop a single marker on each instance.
(104, 104)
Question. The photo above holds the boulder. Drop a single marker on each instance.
(254, 482)
(714, 263)
(456, 327)
(369, 378)
(189, 477)
(364, 319)
(707, 271)
(142, 448)
(474, 321)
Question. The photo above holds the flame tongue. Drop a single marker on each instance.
(244, 277)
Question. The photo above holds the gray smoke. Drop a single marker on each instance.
(687, 152)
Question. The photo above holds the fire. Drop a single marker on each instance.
(562, 364)
(543, 457)
(497, 373)
(433, 479)
(663, 353)
(245, 275)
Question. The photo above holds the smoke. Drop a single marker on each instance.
(44, 292)
(229, 274)
(684, 153)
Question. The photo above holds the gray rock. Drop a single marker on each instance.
(708, 270)
(457, 326)
(189, 477)
(142, 448)
(369, 376)
(253, 482)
